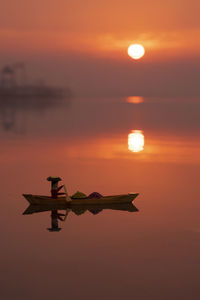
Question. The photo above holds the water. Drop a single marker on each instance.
(149, 254)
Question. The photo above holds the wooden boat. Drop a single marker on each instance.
(70, 202)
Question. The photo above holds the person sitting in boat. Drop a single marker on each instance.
(54, 186)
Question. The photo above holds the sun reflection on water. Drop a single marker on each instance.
(135, 99)
(136, 141)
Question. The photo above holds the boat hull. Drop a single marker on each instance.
(45, 200)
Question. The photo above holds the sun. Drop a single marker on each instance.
(136, 51)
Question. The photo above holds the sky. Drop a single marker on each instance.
(83, 44)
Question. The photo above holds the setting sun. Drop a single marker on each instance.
(136, 141)
(136, 51)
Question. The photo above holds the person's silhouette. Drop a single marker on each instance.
(54, 186)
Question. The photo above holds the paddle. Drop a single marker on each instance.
(66, 213)
(68, 199)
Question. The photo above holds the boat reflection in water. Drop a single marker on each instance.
(77, 210)
(55, 216)
(136, 141)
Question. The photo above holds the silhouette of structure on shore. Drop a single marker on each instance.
(14, 84)
(19, 99)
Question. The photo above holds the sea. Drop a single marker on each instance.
(112, 146)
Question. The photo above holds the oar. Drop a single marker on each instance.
(68, 199)
(66, 213)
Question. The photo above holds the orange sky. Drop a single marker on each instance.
(86, 36)
(101, 27)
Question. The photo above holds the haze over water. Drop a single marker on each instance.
(150, 254)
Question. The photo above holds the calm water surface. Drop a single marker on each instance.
(149, 254)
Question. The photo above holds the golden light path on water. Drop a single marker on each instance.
(135, 99)
(136, 141)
